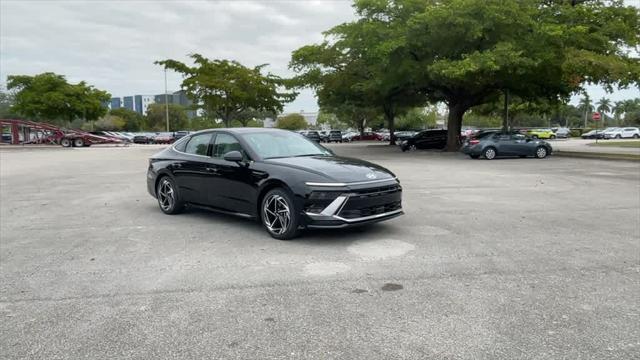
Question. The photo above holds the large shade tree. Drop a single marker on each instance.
(227, 89)
(49, 97)
(468, 52)
(355, 71)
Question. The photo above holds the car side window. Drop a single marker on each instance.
(198, 144)
(225, 143)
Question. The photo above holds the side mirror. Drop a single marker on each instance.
(234, 156)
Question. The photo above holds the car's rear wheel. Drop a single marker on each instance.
(79, 142)
(169, 197)
(534, 136)
(279, 215)
(618, 136)
(541, 152)
(552, 137)
(489, 153)
(65, 142)
(635, 136)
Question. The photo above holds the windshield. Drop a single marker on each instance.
(282, 144)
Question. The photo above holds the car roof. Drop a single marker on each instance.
(243, 130)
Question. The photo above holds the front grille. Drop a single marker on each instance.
(372, 201)
(376, 191)
(371, 210)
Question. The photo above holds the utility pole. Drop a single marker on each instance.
(166, 98)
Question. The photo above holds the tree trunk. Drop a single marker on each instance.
(454, 126)
(389, 114)
(505, 115)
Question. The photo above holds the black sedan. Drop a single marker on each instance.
(278, 177)
(428, 139)
(492, 145)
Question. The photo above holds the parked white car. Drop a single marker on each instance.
(612, 133)
(621, 133)
(563, 133)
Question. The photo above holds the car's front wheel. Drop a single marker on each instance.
(169, 197)
(541, 152)
(279, 215)
(489, 153)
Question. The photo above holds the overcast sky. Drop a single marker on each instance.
(113, 44)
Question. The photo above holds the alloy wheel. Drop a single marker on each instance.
(276, 214)
(541, 152)
(166, 195)
(489, 154)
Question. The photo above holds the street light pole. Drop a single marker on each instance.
(166, 98)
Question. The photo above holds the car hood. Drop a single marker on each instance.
(336, 168)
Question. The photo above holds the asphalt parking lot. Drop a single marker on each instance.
(510, 258)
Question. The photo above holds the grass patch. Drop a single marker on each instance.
(625, 144)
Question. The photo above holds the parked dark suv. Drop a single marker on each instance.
(335, 135)
(313, 135)
(428, 139)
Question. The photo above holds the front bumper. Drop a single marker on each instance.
(355, 206)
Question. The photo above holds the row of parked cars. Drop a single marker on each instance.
(613, 133)
(143, 137)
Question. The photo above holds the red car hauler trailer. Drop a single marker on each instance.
(30, 132)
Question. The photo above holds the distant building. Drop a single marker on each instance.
(177, 98)
(142, 102)
(115, 103)
(128, 103)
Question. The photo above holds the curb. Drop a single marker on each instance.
(598, 155)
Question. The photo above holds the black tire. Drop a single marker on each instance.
(474, 156)
(534, 136)
(552, 137)
(635, 136)
(170, 204)
(78, 142)
(490, 153)
(542, 152)
(273, 218)
(65, 142)
(618, 136)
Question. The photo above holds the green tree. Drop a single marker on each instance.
(226, 89)
(292, 122)
(417, 119)
(156, 119)
(49, 97)
(355, 68)
(107, 123)
(132, 120)
(7, 100)
(604, 108)
(587, 107)
(330, 120)
(467, 52)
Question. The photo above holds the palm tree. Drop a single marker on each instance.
(604, 107)
(618, 109)
(586, 106)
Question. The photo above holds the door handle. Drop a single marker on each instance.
(212, 170)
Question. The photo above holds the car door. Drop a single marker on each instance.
(192, 170)
(231, 184)
(628, 132)
(505, 144)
